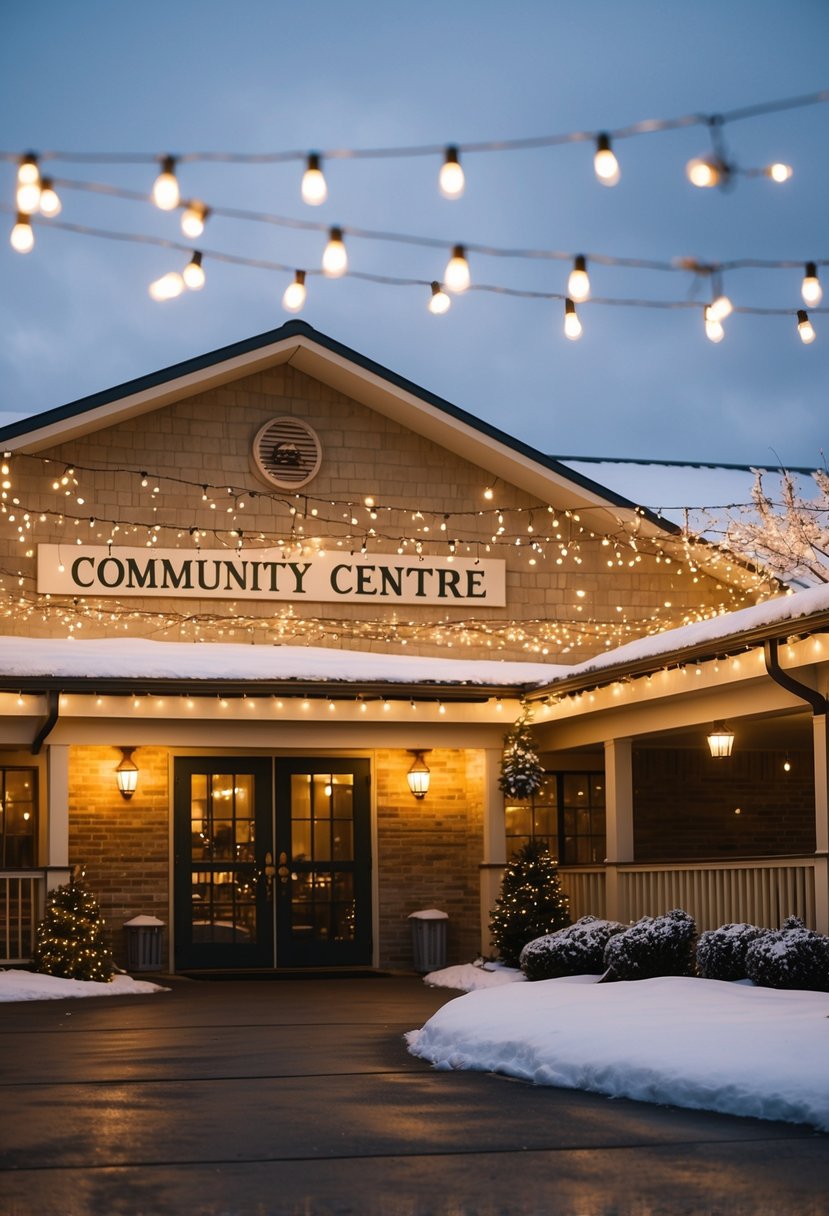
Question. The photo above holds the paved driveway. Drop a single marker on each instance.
(298, 1097)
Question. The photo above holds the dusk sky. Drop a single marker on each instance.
(259, 76)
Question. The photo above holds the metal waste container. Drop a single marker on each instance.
(429, 939)
(144, 936)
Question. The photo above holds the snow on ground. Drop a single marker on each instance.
(31, 986)
(703, 1044)
(469, 977)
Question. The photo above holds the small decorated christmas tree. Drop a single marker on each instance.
(531, 902)
(70, 938)
(522, 773)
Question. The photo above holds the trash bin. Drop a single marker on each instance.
(144, 936)
(429, 939)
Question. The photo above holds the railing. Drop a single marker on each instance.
(761, 892)
(22, 896)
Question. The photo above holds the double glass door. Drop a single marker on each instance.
(272, 862)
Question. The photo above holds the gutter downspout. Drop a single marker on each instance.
(819, 703)
(53, 709)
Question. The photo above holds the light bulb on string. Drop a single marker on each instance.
(452, 180)
(778, 172)
(314, 188)
(704, 172)
(578, 284)
(167, 287)
(49, 203)
(572, 324)
(605, 162)
(439, 301)
(28, 184)
(166, 194)
(193, 218)
(720, 308)
(456, 276)
(714, 331)
(22, 237)
(804, 327)
(295, 294)
(810, 288)
(193, 273)
(335, 257)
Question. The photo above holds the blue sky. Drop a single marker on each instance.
(75, 316)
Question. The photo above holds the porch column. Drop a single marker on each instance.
(820, 733)
(57, 835)
(495, 842)
(618, 774)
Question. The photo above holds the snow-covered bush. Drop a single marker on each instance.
(655, 945)
(576, 950)
(721, 953)
(791, 957)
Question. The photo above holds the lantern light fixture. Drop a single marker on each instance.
(720, 741)
(419, 774)
(126, 774)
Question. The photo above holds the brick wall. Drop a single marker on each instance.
(686, 803)
(122, 845)
(429, 851)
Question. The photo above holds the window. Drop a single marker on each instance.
(18, 817)
(567, 814)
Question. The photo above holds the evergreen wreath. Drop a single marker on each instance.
(522, 773)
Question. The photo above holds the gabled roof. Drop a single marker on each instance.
(352, 374)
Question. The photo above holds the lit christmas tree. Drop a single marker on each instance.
(70, 938)
(531, 902)
(522, 773)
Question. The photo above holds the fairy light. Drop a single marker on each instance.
(28, 184)
(804, 327)
(778, 172)
(22, 238)
(166, 193)
(714, 331)
(810, 288)
(439, 301)
(456, 277)
(314, 187)
(572, 324)
(194, 218)
(335, 257)
(720, 308)
(193, 273)
(605, 163)
(452, 180)
(578, 284)
(49, 203)
(296, 293)
(167, 287)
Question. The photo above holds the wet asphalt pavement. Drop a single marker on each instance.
(298, 1098)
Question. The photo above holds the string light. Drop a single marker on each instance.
(194, 218)
(314, 188)
(452, 179)
(578, 284)
(572, 324)
(193, 273)
(439, 301)
(28, 184)
(605, 162)
(456, 276)
(810, 288)
(714, 331)
(22, 237)
(295, 294)
(335, 257)
(705, 172)
(804, 327)
(778, 172)
(166, 194)
(50, 204)
(721, 308)
(167, 287)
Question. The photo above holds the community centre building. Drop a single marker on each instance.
(268, 615)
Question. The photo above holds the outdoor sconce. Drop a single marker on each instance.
(126, 774)
(721, 741)
(419, 774)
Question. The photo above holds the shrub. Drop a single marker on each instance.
(576, 950)
(791, 957)
(531, 901)
(721, 953)
(655, 945)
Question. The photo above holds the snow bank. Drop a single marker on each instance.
(470, 977)
(31, 986)
(703, 1044)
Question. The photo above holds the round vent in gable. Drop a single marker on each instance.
(286, 453)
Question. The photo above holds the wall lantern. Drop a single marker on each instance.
(126, 774)
(419, 774)
(721, 741)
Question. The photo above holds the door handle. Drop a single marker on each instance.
(284, 871)
(267, 872)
